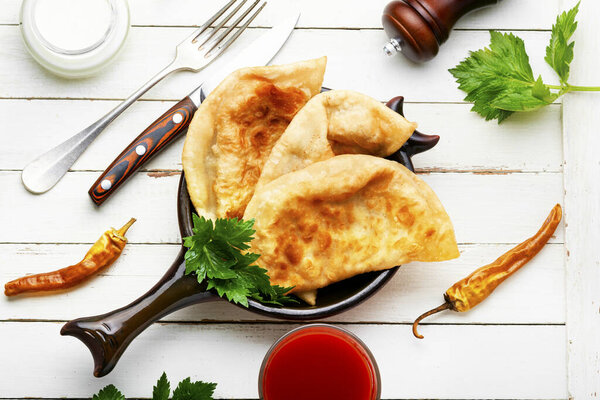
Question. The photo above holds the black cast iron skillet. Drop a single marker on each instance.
(108, 335)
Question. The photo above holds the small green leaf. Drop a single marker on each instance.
(542, 92)
(234, 289)
(276, 296)
(235, 232)
(217, 262)
(109, 393)
(525, 99)
(187, 390)
(162, 390)
(559, 52)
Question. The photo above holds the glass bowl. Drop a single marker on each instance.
(312, 364)
(74, 38)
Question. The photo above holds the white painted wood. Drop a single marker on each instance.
(149, 49)
(484, 208)
(468, 142)
(582, 217)
(518, 178)
(508, 14)
(502, 363)
(534, 296)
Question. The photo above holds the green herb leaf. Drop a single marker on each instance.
(162, 390)
(542, 92)
(236, 233)
(109, 393)
(498, 79)
(276, 296)
(187, 390)
(217, 253)
(526, 99)
(559, 52)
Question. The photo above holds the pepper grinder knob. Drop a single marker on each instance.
(417, 28)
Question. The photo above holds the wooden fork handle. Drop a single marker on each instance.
(157, 136)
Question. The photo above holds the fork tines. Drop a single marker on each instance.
(209, 40)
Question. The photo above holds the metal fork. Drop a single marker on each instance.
(193, 54)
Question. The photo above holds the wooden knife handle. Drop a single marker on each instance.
(156, 137)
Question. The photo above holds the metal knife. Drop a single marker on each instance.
(176, 120)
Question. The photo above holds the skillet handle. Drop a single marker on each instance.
(108, 335)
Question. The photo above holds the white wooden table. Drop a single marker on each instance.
(537, 337)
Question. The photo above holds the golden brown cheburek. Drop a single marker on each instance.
(345, 216)
(235, 128)
(334, 123)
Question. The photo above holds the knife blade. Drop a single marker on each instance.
(175, 121)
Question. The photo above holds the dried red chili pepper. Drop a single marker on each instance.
(472, 290)
(102, 254)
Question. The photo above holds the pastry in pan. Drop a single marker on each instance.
(235, 128)
(334, 123)
(344, 216)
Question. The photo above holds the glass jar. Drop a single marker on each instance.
(319, 362)
(74, 38)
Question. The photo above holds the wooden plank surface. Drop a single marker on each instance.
(416, 288)
(346, 51)
(484, 208)
(497, 183)
(444, 365)
(468, 143)
(582, 199)
(508, 14)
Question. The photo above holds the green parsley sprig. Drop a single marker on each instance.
(218, 255)
(186, 390)
(499, 79)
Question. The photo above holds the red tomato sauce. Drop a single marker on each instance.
(319, 363)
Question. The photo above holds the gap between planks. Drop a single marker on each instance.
(178, 243)
(288, 322)
(556, 103)
(330, 28)
(161, 173)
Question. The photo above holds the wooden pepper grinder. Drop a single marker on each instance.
(417, 28)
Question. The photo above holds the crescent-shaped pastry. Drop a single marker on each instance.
(334, 123)
(234, 129)
(345, 216)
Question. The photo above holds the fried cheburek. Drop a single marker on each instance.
(334, 123)
(345, 216)
(235, 128)
(308, 171)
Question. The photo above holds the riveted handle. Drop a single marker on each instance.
(157, 136)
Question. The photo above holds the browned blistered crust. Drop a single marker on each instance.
(235, 129)
(344, 216)
(261, 121)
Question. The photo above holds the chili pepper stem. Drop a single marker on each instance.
(445, 306)
(123, 230)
